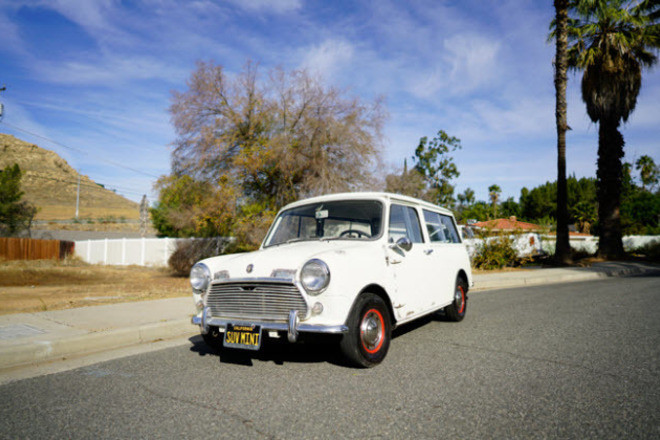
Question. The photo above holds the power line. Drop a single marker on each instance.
(77, 150)
(85, 184)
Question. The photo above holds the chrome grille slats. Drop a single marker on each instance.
(260, 300)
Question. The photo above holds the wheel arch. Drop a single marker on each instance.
(380, 291)
(462, 275)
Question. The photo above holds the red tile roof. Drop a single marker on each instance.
(507, 224)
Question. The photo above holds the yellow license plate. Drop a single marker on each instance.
(245, 336)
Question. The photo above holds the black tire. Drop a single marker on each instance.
(369, 332)
(213, 338)
(456, 310)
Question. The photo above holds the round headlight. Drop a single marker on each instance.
(200, 276)
(315, 276)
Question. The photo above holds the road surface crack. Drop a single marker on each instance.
(248, 423)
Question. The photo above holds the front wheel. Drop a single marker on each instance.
(369, 332)
(456, 310)
(213, 338)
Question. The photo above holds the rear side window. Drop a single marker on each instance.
(404, 222)
(441, 228)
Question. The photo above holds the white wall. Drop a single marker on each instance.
(127, 251)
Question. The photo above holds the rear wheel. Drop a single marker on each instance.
(369, 332)
(456, 310)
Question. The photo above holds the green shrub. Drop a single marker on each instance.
(496, 253)
(189, 252)
(650, 251)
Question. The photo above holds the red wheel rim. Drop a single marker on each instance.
(459, 297)
(372, 331)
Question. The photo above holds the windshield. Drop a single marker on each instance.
(347, 219)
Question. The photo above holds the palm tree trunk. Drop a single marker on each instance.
(562, 245)
(610, 175)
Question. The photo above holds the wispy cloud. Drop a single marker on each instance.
(108, 70)
(478, 69)
(268, 6)
(329, 58)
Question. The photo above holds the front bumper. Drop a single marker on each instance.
(292, 327)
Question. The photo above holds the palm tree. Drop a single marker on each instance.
(494, 192)
(648, 171)
(612, 40)
(562, 244)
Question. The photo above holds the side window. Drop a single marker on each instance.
(441, 228)
(404, 222)
(450, 229)
(434, 227)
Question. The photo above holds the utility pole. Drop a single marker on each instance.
(78, 197)
(2, 107)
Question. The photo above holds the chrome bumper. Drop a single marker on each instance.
(292, 327)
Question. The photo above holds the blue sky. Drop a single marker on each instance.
(96, 76)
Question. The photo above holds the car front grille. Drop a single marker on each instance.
(269, 301)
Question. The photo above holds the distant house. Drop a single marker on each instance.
(510, 224)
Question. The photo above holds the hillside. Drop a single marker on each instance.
(51, 184)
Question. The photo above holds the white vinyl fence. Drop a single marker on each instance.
(589, 244)
(534, 244)
(127, 251)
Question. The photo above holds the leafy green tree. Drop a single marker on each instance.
(648, 171)
(640, 209)
(434, 162)
(611, 41)
(466, 198)
(479, 211)
(193, 208)
(509, 208)
(538, 203)
(16, 216)
(584, 215)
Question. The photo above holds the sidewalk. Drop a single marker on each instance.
(37, 338)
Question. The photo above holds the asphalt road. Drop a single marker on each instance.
(564, 361)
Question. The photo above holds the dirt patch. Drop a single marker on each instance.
(37, 286)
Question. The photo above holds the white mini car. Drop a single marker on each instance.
(356, 265)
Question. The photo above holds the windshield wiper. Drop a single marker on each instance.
(294, 240)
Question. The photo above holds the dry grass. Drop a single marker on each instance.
(95, 226)
(52, 185)
(68, 212)
(34, 286)
(501, 270)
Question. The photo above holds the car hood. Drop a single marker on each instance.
(285, 259)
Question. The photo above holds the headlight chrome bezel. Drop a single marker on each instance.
(315, 276)
(200, 277)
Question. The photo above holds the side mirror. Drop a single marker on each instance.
(404, 243)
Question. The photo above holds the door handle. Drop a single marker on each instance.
(428, 251)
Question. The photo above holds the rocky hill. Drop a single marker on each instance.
(51, 185)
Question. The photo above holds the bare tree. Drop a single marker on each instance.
(281, 139)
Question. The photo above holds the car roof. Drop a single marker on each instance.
(382, 196)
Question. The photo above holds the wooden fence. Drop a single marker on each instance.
(33, 249)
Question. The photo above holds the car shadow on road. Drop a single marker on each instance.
(277, 351)
(404, 329)
(309, 349)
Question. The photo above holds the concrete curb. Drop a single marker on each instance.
(512, 283)
(39, 350)
(45, 351)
